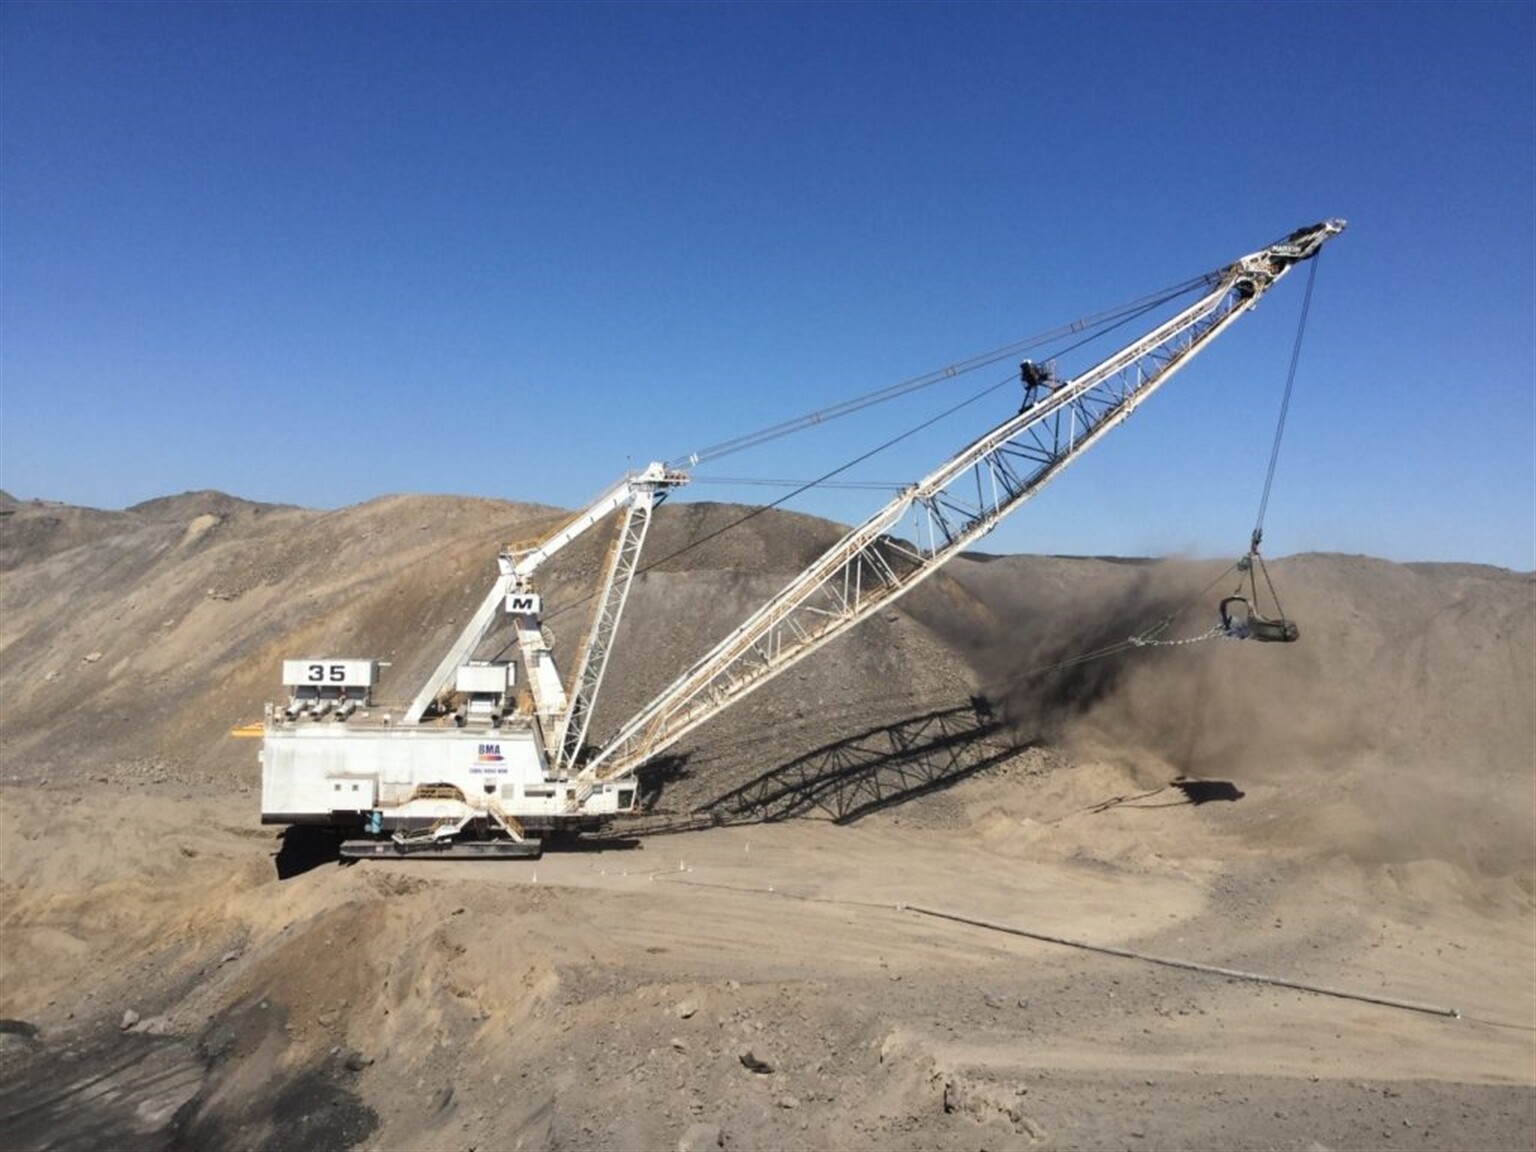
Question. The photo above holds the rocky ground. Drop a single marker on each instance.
(787, 973)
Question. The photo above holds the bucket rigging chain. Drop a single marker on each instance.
(1216, 632)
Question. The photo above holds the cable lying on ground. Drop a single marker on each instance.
(1187, 965)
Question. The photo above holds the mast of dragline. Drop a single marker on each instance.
(638, 495)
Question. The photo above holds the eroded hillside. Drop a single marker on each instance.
(1364, 824)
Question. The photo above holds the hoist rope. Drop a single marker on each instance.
(1256, 563)
(1285, 407)
(1249, 566)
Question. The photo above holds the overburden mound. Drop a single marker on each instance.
(1351, 812)
(134, 641)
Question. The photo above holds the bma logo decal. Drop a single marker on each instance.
(489, 754)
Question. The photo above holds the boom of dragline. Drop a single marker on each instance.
(484, 763)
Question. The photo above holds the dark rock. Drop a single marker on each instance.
(357, 1061)
(754, 1063)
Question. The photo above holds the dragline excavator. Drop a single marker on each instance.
(482, 764)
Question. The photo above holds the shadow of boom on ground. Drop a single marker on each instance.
(875, 769)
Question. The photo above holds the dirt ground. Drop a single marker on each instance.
(830, 955)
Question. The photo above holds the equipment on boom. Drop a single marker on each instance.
(507, 767)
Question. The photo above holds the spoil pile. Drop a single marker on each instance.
(1354, 810)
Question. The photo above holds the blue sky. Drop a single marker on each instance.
(315, 254)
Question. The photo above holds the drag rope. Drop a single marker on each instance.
(1148, 638)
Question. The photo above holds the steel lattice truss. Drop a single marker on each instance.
(593, 663)
(953, 507)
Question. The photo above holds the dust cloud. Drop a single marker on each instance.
(1385, 730)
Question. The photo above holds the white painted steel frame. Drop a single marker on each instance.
(868, 569)
(655, 478)
(593, 662)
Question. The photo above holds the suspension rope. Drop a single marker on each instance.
(1095, 325)
(764, 482)
(1138, 309)
(1119, 318)
(822, 479)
